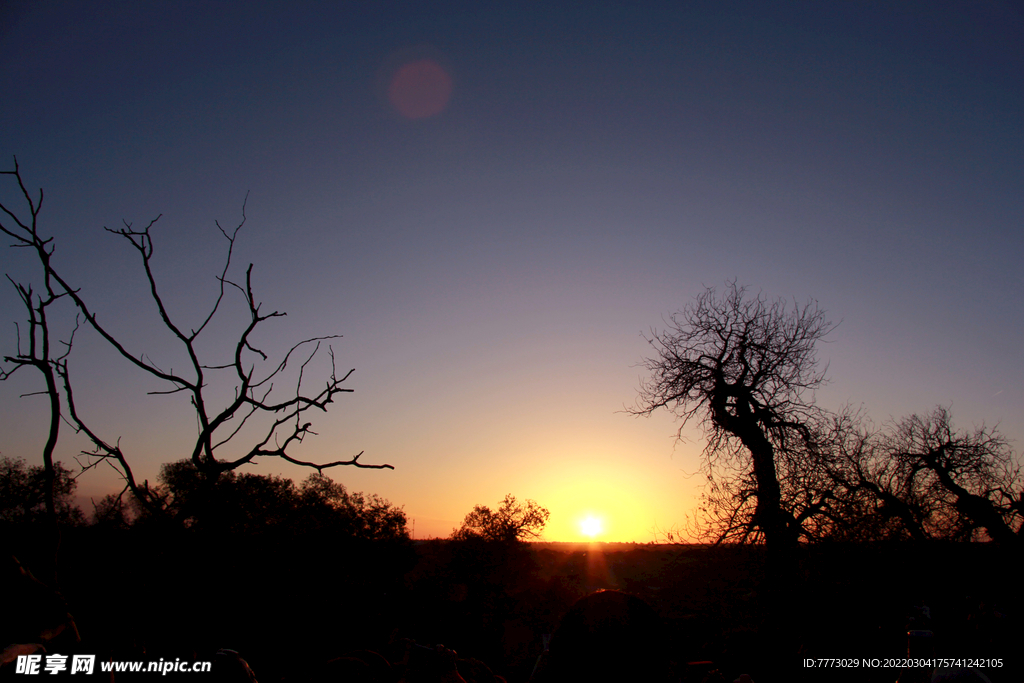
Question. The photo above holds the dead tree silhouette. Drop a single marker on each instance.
(255, 395)
(743, 365)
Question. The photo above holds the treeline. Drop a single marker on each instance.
(23, 494)
(220, 562)
(230, 503)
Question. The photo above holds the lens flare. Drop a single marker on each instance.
(420, 89)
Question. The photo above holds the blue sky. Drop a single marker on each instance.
(492, 266)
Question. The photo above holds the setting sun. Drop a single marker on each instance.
(591, 527)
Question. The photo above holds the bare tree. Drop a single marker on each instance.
(744, 366)
(968, 478)
(510, 523)
(874, 494)
(255, 395)
(922, 478)
(36, 349)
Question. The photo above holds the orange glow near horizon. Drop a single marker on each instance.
(596, 495)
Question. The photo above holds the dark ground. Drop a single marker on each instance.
(287, 602)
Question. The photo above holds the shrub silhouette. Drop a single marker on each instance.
(510, 523)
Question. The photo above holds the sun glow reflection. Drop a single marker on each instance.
(591, 526)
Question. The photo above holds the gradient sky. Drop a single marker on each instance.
(492, 201)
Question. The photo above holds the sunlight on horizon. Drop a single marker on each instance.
(586, 479)
(591, 526)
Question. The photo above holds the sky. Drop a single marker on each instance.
(493, 203)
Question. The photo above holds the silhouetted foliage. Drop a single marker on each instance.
(245, 503)
(113, 511)
(23, 494)
(510, 523)
(325, 503)
(743, 366)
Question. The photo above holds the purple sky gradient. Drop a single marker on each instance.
(493, 266)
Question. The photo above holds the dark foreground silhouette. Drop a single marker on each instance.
(608, 635)
(307, 607)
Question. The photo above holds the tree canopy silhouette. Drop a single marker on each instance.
(745, 366)
(510, 523)
(23, 492)
(246, 503)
